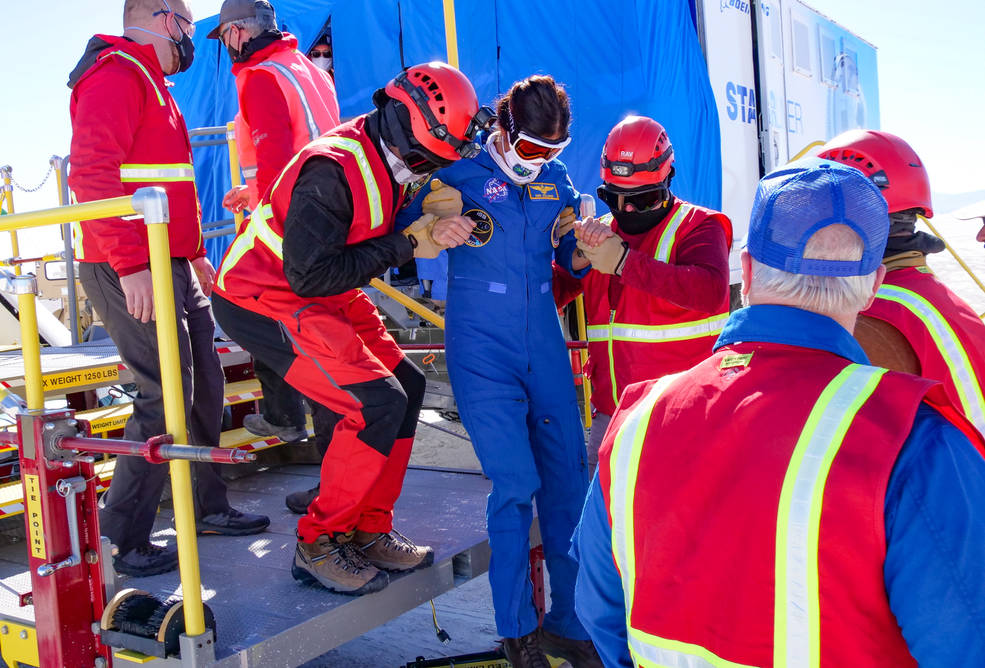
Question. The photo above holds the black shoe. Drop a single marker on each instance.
(232, 523)
(147, 559)
(579, 653)
(525, 652)
(298, 502)
(257, 424)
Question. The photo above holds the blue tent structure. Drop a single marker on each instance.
(615, 58)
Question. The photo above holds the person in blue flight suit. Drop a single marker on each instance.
(507, 360)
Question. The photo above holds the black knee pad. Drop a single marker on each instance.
(384, 404)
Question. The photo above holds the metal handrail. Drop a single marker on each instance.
(152, 203)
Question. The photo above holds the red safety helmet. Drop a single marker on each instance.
(637, 155)
(444, 112)
(891, 164)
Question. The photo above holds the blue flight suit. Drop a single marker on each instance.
(511, 375)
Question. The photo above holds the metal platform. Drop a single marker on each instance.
(263, 616)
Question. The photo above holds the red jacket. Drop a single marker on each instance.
(285, 102)
(664, 313)
(946, 335)
(127, 133)
(748, 533)
(252, 272)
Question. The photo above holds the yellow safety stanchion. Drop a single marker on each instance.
(156, 217)
(152, 204)
(26, 288)
(416, 307)
(586, 384)
(234, 166)
(8, 196)
(451, 34)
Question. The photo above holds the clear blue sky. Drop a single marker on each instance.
(931, 78)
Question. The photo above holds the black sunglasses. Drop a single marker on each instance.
(641, 201)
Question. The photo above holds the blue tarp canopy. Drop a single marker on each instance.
(615, 58)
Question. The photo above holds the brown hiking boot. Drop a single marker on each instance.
(393, 551)
(338, 565)
(579, 653)
(525, 652)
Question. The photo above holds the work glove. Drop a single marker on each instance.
(566, 221)
(419, 235)
(443, 200)
(609, 257)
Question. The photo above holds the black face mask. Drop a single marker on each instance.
(638, 222)
(186, 52)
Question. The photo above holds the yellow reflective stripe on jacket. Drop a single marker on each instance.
(652, 651)
(372, 189)
(796, 611)
(627, 449)
(127, 56)
(157, 173)
(258, 227)
(949, 345)
(680, 331)
(669, 236)
(309, 117)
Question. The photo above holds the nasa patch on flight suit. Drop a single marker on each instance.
(542, 191)
(483, 230)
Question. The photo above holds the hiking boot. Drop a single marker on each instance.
(298, 502)
(146, 559)
(525, 652)
(257, 424)
(337, 565)
(231, 523)
(393, 551)
(579, 653)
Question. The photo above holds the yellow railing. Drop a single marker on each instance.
(957, 257)
(234, 168)
(152, 203)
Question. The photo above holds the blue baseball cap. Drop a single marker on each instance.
(798, 199)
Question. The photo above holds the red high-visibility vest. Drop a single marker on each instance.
(254, 263)
(746, 497)
(945, 333)
(311, 101)
(642, 336)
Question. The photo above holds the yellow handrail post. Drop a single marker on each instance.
(153, 204)
(234, 167)
(8, 196)
(586, 384)
(414, 306)
(26, 289)
(451, 34)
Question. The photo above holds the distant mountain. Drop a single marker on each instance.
(948, 203)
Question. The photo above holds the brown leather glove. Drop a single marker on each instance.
(419, 235)
(609, 257)
(566, 221)
(443, 200)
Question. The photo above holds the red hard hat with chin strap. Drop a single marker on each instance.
(444, 112)
(890, 162)
(637, 154)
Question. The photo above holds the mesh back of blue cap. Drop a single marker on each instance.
(795, 201)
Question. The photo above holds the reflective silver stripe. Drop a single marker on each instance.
(649, 650)
(954, 354)
(249, 172)
(308, 116)
(797, 623)
(677, 332)
(152, 173)
(669, 236)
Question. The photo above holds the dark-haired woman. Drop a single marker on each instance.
(507, 360)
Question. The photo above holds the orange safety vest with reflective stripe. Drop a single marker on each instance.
(642, 336)
(159, 154)
(254, 263)
(945, 333)
(311, 102)
(746, 499)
